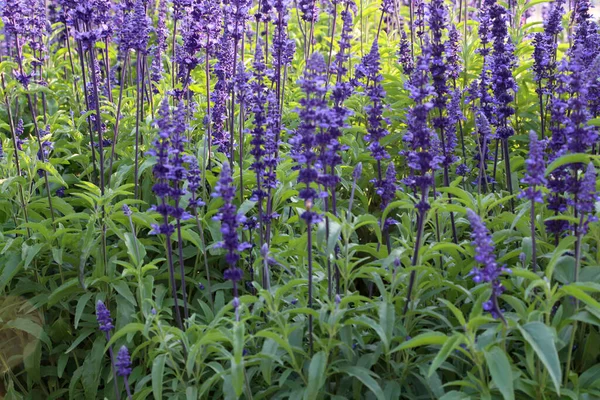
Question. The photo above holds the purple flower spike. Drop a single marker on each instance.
(536, 169)
(230, 219)
(123, 362)
(103, 317)
(484, 255)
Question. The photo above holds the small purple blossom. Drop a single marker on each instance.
(123, 362)
(103, 316)
(536, 168)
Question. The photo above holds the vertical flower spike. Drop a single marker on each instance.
(123, 362)
(230, 223)
(405, 57)
(369, 70)
(536, 168)
(484, 255)
(309, 10)
(422, 154)
(103, 316)
(106, 325)
(230, 219)
(165, 174)
(161, 41)
(584, 200)
(123, 366)
(534, 177)
(314, 115)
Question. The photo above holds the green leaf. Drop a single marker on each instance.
(424, 339)
(445, 352)
(11, 265)
(501, 371)
(578, 158)
(81, 303)
(579, 294)
(158, 372)
(237, 363)
(541, 338)
(132, 327)
(363, 375)
(135, 249)
(91, 365)
(316, 375)
(123, 289)
(27, 325)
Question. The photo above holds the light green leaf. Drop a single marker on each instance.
(424, 339)
(501, 372)
(158, 372)
(540, 337)
(364, 375)
(445, 352)
(316, 375)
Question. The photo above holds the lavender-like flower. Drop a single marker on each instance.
(161, 41)
(230, 219)
(103, 316)
(258, 101)
(135, 32)
(422, 155)
(503, 62)
(484, 255)
(585, 199)
(482, 156)
(123, 362)
(314, 115)
(454, 64)
(123, 366)
(309, 10)
(387, 190)
(405, 57)
(106, 325)
(223, 70)
(534, 177)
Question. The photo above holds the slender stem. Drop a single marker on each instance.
(76, 89)
(181, 266)
(117, 119)
(415, 259)
(87, 103)
(172, 273)
(98, 119)
(139, 106)
(107, 67)
(310, 285)
(331, 43)
(508, 174)
(127, 388)
(16, 151)
(114, 370)
(37, 131)
(205, 257)
(533, 240)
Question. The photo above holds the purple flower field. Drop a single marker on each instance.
(307, 199)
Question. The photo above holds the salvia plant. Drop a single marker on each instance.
(308, 199)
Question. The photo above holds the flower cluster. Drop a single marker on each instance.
(169, 170)
(423, 145)
(484, 255)
(123, 362)
(314, 116)
(536, 167)
(229, 217)
(103, 316)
